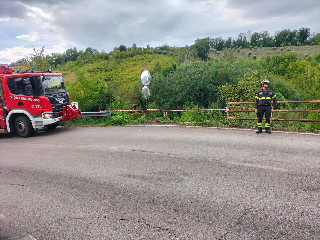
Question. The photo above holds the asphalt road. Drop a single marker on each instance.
(159, 183)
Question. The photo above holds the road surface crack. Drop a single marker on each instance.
(237, 222)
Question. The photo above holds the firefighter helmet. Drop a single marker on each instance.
(265, 81)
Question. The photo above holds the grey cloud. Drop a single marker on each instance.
(99, 25)
(105, 24)
(260, 9)
(12, 10)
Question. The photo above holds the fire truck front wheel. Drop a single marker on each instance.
(23, 126)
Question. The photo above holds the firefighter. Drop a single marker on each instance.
(265, 101)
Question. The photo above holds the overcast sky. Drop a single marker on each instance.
(104, 24)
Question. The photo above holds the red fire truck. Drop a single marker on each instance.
(32, 100)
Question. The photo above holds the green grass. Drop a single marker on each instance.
(302, 51)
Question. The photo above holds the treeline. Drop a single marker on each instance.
(264, 39)
(91, 55)
(202, 46)
(244, 40)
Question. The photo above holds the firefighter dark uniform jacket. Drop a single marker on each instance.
(265, 98)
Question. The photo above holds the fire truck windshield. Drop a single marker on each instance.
(52, 84)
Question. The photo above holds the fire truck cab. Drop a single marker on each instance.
(31, 100)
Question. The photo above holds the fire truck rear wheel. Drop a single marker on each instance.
(23, 126)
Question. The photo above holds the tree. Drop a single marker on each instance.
(244, 91)
(38, 61)
(266, 40)
(255, 39)
(91, 50)
(228, 43)
(285, 37)
(122, 48)
(217, 43)
(192, 81)
(71, 54)
(303, 35)
(202, 46)
(241, 41)
(315, 40)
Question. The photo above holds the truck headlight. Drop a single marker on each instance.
(47, 115)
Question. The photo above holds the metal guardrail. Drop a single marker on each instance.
(96, 114)
(280, 110)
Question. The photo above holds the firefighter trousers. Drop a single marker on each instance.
(264, 110)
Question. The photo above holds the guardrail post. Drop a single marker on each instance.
(228, 113)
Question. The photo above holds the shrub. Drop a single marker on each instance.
(119, 118)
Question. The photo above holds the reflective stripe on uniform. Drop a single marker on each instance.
(267, 124)
(263, 98)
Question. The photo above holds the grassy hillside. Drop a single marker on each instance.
(94, 82)
(181, 80)
(88, 83)
(262, 52)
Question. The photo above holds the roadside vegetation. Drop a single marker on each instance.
(208, 74)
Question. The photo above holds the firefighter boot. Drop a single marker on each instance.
(268, 130)
(259, 125)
